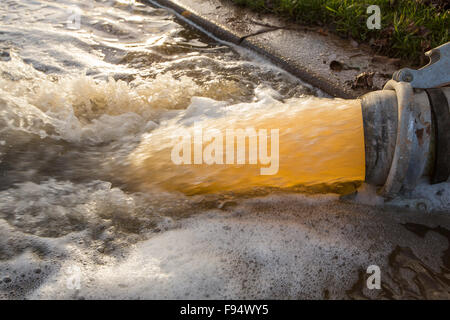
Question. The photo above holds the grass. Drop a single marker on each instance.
(408, 27)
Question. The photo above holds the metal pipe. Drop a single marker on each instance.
(407, 136)
(407, 126)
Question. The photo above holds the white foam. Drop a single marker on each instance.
(268, 248)
(218, 258)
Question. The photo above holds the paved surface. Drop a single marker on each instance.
(317, 57)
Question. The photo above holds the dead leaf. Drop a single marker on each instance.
(386, 60)
(336, 66)
(322, 32)
(186, 13)
(363, 80)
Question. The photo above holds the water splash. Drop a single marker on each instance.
(321, 142)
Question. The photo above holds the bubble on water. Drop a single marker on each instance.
(285, 247)
(57, 208)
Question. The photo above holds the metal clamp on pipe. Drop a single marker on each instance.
(407, 127)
